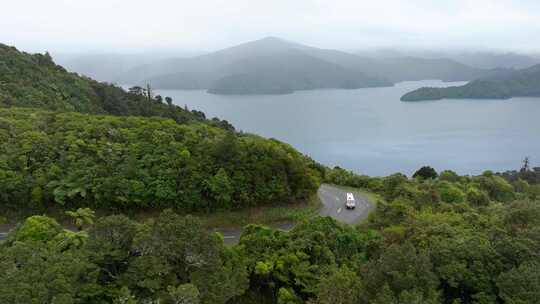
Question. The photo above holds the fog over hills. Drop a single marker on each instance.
(269, 65)
(110, 66)
(275, 66)
(477, 59)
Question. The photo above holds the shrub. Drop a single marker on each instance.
(451, 193)
(476, 197)
(449, 176)
(425, 172)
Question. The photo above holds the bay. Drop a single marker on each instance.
(370, 131)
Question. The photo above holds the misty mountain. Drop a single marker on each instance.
(477, 59)
(497, 60)
(412, 69)
(525, 82)
(266, 66)
(398, 69)
(275, 66)
(109, 67)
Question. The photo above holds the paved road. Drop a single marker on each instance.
(232, 236)
(333, 200)
(4, 229)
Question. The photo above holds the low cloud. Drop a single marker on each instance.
(121, 25)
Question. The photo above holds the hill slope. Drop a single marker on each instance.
(61, 159)
(56, 159)
(34, 80)
(524, 82)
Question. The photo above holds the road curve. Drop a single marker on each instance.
(333, 201)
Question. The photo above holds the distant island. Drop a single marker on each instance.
(506, 85)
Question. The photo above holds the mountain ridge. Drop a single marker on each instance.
(276, 60)
(226, 71)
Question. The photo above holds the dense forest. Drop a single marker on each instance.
(34, 80)
(72, 144)
(434, 238)
(148, 153)
(524, 82)
(72, 159)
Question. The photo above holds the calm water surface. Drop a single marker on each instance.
(371, 131)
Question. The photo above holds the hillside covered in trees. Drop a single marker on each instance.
(71, 159)
(145, 153)
(521, 83)
(34, 80)
(70, 144)
(435, 239)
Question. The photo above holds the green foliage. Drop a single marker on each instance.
(170, 259)
(295, 262)
(497, 187)
(452, 239)
(467, 237)
(221, 189)
(125, 297)
(37, 228)
(408, 252)
(521, 285)
(340, 287)
(521, 186)
(184, 294)
(287, 296)
(82, 217)
(33, 272)
(477, 197)
(449, 176)
(407, 272)
(78, 160)
(426, 172)
(450, 193)
(339, 176)
(35, 81)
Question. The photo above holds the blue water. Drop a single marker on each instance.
(371, 131)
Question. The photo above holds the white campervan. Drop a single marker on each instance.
(351, 203)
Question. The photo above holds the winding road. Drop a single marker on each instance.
(332, 198)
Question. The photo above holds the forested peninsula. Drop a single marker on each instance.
(521, 83)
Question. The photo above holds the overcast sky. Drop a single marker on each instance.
(137, 25)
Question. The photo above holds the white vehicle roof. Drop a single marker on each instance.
(350, 197)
